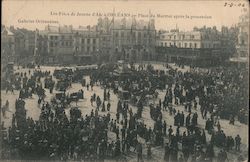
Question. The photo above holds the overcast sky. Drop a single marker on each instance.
(215, 13)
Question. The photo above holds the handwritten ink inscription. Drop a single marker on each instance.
(234, 4)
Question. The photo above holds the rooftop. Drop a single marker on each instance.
(7, 31)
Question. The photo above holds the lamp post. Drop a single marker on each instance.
(98, 57)
(36, 57)
(75, 54)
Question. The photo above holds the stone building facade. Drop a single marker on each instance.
(7, 45)
(109, 40)
(243, 36)
(199, 46)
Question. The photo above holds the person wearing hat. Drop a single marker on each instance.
(222, 156)
(182, 117)
(117, 147)
(164, 128)
(139, 152)
(237, 143)
(108, 106)
(167, 152)
(103, 106)
(124, 144)
(188, 120)
(170, 131)
(149, 153)
(181, 158)
(209, 154)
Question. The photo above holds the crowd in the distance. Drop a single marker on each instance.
(58, 136)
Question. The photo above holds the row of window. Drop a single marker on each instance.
(186, 45)
(64, 43)
(87, 49)
(128, 43)
(88, 41)
(133, 39)
(209, 45)
(139, 34)
(180, 37)
(55, 37)
(106, 39)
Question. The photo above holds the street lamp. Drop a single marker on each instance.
(98, 56)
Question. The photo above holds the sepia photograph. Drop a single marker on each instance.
(123, 80)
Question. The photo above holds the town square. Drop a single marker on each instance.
(124, 90)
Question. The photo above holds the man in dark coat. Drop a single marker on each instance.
(164, 128)
(139, 152)
(167, 153)
(182, 118)
(188, 120)
(237, 143)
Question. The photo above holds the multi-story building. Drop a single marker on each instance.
(127, 39)
(42, 51)
(65, 44)
(86, 44)
(7, 45)
(242, 47)
(133, 40)
(18, 44)
(193, 39)
(24, 44)
(229, 40)
(199, 45)
(59, 42)
(109, 40)
(104, 26)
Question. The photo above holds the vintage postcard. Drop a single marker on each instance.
(134, 81)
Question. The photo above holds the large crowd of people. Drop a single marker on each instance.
(218, 93)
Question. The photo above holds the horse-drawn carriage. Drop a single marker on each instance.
(75, 113)
(86, 70)
(144, 96)
(62, 98)
(63, 73)
(82, 71)
(48, 82)
(155, 112)
(149, 94)
(124, 95)
(62, 85)
(192, 139)
(76, 96)
(157, 82)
